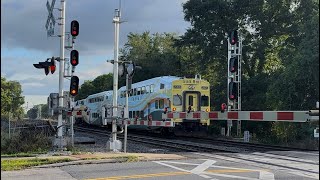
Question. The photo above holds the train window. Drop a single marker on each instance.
(139, 91)
(156, 104)
(151, 88)
(190, 100)
(177, 100)
(143, 90)
(137, 114)
(135, 91)
(161, 86)
(130, 114)
(161, 104)
(147, 89)
(141, 114)
(204, 100)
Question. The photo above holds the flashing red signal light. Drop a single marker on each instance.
(52, 69)
(223, 107)
(52, 66)
(74, 57)
(74, 28)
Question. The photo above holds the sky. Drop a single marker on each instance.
(24, 40)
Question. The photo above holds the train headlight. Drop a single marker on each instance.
(174, 109)
(207, 110)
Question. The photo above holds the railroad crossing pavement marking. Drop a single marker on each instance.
(274, 164)
(201, 170)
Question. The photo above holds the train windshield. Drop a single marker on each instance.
(204, 100)
(177, 100)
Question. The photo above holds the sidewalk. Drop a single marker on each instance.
(53, 172)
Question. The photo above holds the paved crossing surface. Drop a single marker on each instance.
(253, 166)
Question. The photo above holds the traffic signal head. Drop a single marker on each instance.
(233, 37)
(47, 66)
(52, 65)
(74, 28)
(233, 66)
(74, 57)
(74, 85)
(233, 90)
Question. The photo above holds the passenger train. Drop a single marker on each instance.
(148, 99)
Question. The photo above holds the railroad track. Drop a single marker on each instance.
(192, 144)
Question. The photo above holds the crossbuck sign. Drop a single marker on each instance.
(50, 21)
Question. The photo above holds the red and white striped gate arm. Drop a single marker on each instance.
(147, 123)
(289, 116)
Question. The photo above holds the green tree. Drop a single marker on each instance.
(11, 99)
(296, 87)
(155, 53)
(99, 84)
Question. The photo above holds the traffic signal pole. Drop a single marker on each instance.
(234, 77)
(115, 144)
(61, 75)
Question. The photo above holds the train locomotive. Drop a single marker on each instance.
(148, 99)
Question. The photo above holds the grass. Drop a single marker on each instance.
(18, 164)
(128, 158)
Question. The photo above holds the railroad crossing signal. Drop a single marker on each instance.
(51, 20)
(74, 28)
(74, 57)
(47, 66)
(74, 85)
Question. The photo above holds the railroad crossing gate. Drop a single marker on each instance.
(288, 116)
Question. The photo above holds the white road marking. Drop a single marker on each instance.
(202, 167)
(200, 170)
(168, 165)
(274, 167)
(232, 176)
(284, 157)
(264, 175)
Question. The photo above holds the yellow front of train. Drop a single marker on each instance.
(190, 95)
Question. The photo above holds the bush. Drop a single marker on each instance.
(27, 140)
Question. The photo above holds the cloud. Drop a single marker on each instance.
(24, 40)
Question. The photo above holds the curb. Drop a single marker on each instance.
(80, 162)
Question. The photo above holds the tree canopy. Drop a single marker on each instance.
(280, 66)
(11, 98)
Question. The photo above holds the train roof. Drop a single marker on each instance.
(104, 93)
(161, 79)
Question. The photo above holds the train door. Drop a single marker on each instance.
(192, 100)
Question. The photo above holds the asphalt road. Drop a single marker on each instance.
(205, 166)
